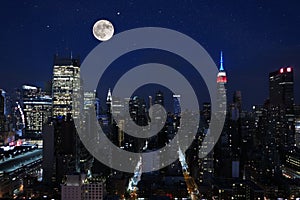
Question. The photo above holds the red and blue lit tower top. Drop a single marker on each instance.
(221, 78)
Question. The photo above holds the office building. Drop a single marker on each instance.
(66, 87)
(281, 88)
(37, 109)
(82, 188)
(71, 189)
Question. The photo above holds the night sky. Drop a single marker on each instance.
(256, 36)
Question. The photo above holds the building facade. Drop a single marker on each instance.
(37, 107)
(66, 87)
(81, 188)
(281, 107)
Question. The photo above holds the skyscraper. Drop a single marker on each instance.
(117, 109)
(281, 87)
(137, 110)
(237, 100)
(66, 84)
(277, 122)
(89, 104)
(64, 154)
(37, 108)
(108, 105)
(221, 82)
(176, 104)
(223, 160)
(61, 155)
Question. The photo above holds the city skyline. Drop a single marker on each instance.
(189, 99)
(226, 166)
(256, 38)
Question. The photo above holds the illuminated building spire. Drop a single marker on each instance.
(108, 99)
(221, 62)
(222, 78)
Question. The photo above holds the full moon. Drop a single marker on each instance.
(103, 30)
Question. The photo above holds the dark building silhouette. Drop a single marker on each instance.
(237, 100)
(281, 109)
(138, 111)
(61, 150)
(273, 132)
(281, 87)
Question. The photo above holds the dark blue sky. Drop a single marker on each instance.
(256, 36)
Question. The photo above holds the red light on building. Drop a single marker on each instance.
(281, 70)
(222, 79)
(289, 69)
(225, 79)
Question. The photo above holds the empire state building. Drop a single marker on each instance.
(221, 81)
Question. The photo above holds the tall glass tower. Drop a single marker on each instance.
(66, 84)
